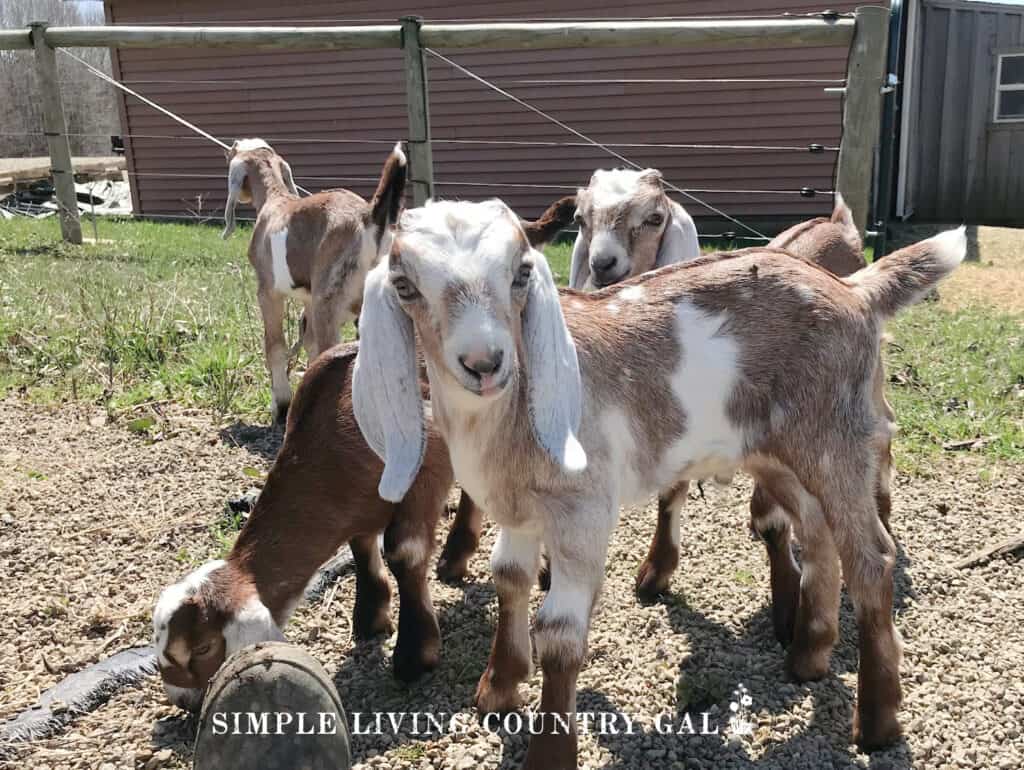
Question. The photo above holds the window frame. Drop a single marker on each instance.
(1001, 89)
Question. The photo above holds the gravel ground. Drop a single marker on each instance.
(96, 520)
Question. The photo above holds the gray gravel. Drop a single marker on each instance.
(963, 629)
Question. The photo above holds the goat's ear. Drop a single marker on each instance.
(386, 394)
(679, 239)
(555, 218)
(238, 174)
(553, 372)
(579, 268)
(289, 180)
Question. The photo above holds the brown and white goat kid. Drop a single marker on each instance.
(555, 413)
(835, 244)
(320, 494)
(627, 226)
(315, 249)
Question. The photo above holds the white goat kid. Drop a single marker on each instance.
(693, 374)
(627, 226)
(315, 249)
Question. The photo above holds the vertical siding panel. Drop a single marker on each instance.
(980, 111)
(933, 74)
(950, 189)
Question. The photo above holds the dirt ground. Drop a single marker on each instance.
(96, 520)
(993, 274)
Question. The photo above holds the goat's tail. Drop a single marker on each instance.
(387, 200)
(900, 279)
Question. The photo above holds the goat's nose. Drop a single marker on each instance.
(603, 264)
(483, 363)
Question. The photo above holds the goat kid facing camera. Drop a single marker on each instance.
(556, 412)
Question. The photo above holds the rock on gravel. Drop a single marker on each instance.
(103, 520)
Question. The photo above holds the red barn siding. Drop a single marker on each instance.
(303, 101)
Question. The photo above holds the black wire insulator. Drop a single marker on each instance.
(816, 148)
(808, 192)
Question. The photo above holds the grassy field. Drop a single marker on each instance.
(158, 312)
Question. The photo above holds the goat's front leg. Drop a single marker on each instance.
(560, 632)
(324, 319)
(408, 543)
(276, 351)
(514, 563)
(462, 542)
(663, 557)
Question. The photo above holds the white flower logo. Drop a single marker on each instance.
(740, 723)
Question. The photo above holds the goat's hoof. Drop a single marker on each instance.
(650, 584)
(806, 667)
(876, 732)
(410, 666)
(280, 414)
(452, 571)
(367, 628)
(496, 700)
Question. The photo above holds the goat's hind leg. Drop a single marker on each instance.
(771, 524)
(462, 541)
(408, 543)
(869, 557)
(276, 351)
(371, 615)
(513, 565)
(652, 579)
(816, 626)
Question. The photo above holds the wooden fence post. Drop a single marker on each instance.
(417, 98)
(862, 111)
(55, 128)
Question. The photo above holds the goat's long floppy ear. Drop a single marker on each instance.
(386, 394)
(289, 180)
(679, 240)
(579, 268)
(553, 372)
(237, 172)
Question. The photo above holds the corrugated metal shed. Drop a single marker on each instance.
(963, 163)
(333, 115)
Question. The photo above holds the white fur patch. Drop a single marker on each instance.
(283, 282)
(632, 293)
(172, 598)
(411, 551)
(399, 154)
(703, 383)
(252, 624)
(245, 145)
(610, 187)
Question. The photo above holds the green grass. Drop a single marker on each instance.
(167, 312)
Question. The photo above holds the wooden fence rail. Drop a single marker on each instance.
(861, 118)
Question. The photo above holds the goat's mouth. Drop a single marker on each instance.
(603, 281)
(487, 386)
(187, 698)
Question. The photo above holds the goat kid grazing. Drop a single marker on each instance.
(315, 249)
(556, 412)
(320, 494)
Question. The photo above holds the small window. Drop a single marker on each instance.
(1010, 87)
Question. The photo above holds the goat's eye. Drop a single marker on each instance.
(404, 288)
(523, 275)
(203, 649)
(654, 220)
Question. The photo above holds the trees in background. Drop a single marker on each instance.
(89, 103)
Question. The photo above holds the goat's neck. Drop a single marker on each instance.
(266, 183)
